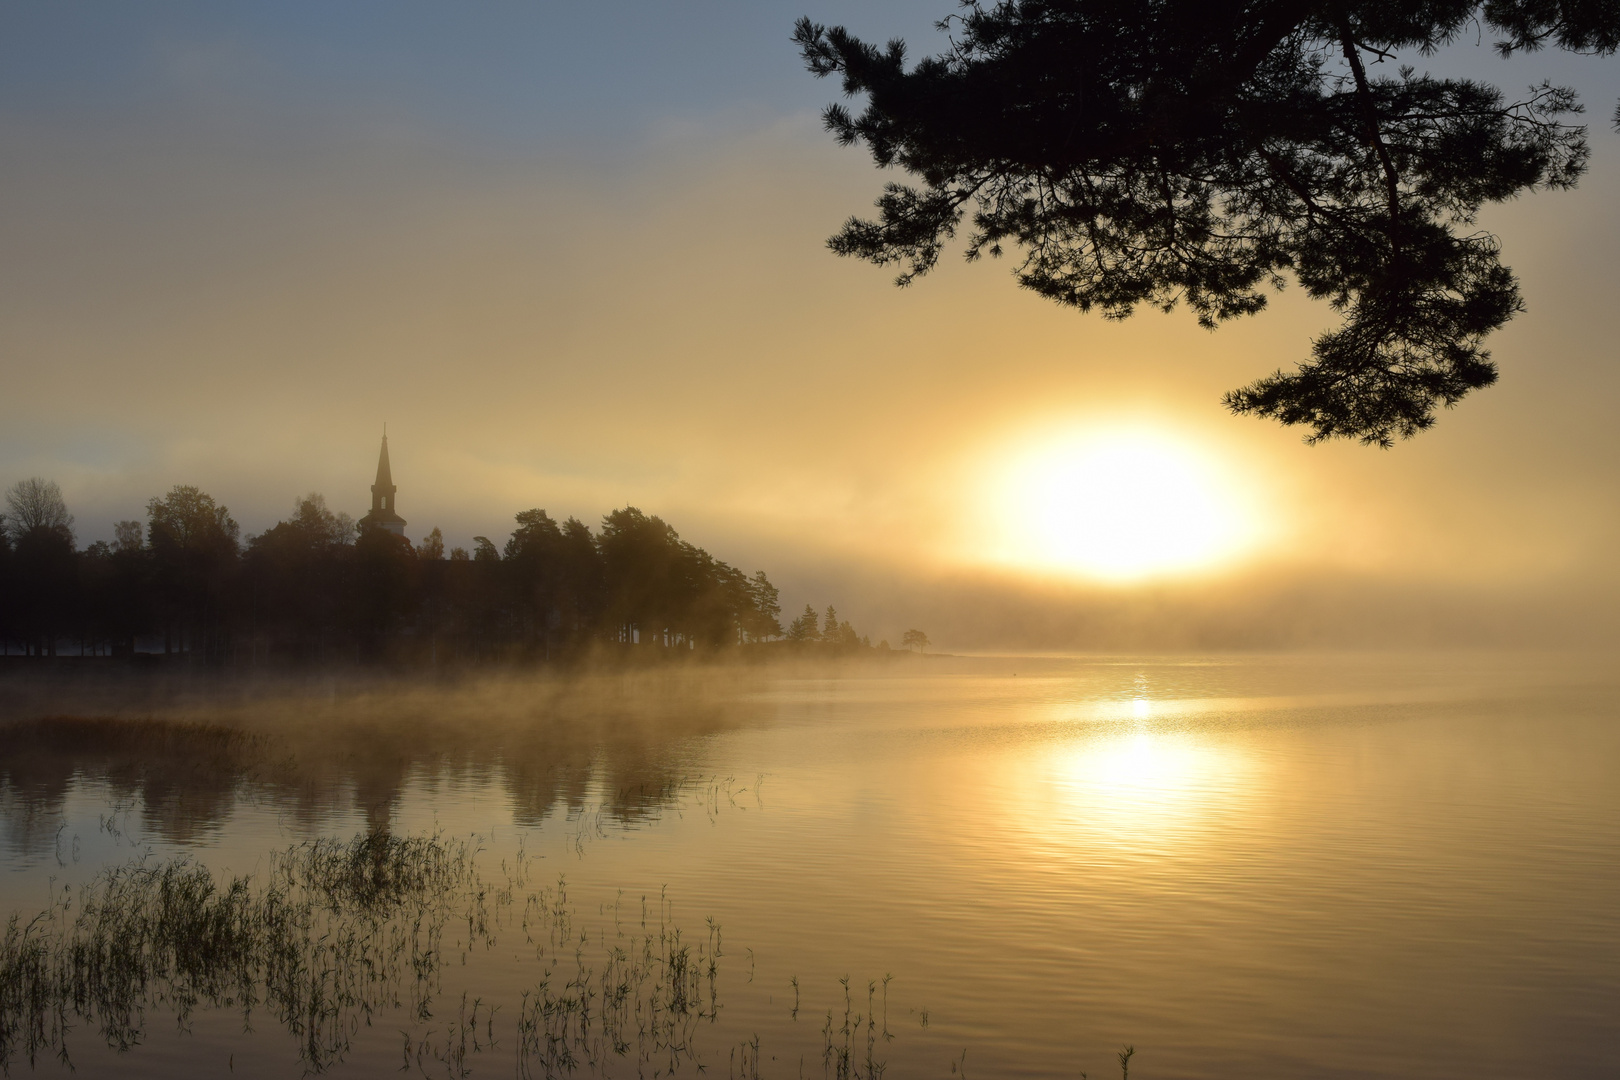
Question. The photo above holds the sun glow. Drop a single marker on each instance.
(1119, 505)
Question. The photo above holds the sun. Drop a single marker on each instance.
(1118, 505)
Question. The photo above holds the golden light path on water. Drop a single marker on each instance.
(1132, 782)
(1117, 504)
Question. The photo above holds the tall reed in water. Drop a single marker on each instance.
(336, 934)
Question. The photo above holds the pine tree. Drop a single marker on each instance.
(1203, 151)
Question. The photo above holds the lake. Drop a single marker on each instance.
(1258, 866)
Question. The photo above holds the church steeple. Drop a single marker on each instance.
(384, 476)
(382, 514)
(382, 492)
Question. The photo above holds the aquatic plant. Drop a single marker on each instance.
(337, 936)
(642, 1000)
(335, 932)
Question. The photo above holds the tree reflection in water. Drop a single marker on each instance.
(311, 751)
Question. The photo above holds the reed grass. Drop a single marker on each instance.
(333, 933)
(337, 936)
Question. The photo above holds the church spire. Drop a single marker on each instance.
(383, 515)
(385, 478)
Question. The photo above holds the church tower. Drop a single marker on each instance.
(382, 514)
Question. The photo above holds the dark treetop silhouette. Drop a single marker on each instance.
(318, 587)
(1156, 151)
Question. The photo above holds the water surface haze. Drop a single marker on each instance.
(1325, 865)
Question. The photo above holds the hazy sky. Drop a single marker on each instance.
(573, 256)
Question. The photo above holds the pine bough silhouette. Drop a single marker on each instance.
(1205, 151)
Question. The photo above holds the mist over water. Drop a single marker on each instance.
(1334, 865)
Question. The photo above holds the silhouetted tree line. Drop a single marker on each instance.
(317, 587)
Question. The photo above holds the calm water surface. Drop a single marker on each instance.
(1258, 867)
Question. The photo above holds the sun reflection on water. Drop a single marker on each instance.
(1143, 785)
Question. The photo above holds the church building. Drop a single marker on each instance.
(382, 514)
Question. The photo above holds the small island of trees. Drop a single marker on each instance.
(317, 588)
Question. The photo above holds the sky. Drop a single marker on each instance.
(573, 256)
